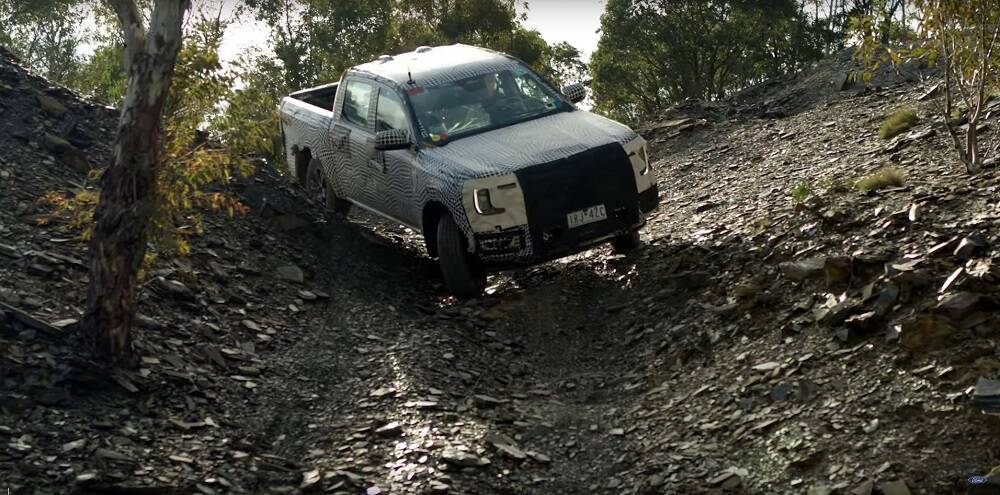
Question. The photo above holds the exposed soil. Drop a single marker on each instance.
(754, 344)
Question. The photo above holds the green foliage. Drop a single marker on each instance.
(102, 76)
(204, 148)
(564, 65)
(249, 123)
(878, 22)
(898, 122)
(191, 165)
(653, 53)
(961, 37)
(881, 179)
(831, 185)
(801, 191)
(44, 34)
(316, 40)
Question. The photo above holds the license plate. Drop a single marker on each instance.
(592, 214)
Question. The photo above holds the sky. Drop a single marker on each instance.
(573, 21)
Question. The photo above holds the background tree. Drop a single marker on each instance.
(102, 75)
(44, 34)
(656, 52)
(316, 40)
(563, 64)
(127, 200)
(836, 17)
(961, 37)
(249, 125)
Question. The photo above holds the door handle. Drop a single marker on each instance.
(340, 137)
(379, 161)
(375, 157)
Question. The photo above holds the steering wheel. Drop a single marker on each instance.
(510, 104)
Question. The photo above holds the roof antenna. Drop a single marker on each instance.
(409, 76)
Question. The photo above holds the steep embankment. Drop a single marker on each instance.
(205, 321)
(755, 344)
(823, 342)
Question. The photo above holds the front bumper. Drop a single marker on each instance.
(600, 176)
(505, 259)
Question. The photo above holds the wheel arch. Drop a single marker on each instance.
(302, 158)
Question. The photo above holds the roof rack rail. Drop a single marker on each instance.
(422, 49)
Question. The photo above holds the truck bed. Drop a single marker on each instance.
(305, 119)
(320, 96)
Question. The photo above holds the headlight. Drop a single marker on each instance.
(484, 205)
(638, 157)
(494, 203)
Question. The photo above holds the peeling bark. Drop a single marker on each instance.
(128, 187)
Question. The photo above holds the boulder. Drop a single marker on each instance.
(291, 273)
(801, 270)
(925, 332)
(51, 106)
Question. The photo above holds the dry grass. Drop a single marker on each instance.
(900, 121)
(837, 185)
(882, 178)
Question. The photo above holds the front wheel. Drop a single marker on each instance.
(626, 242)
(463, 274)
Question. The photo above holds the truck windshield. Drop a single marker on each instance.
(486, 101)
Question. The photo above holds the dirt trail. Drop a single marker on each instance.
(539, 369)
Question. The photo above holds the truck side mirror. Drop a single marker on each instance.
(575, 92)
(392, 139)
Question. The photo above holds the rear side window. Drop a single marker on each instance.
(357, 102)
(390, 112)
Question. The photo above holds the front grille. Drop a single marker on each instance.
(506, 242)
(601, 175)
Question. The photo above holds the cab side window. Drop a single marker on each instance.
(390, 112)
(357, 102)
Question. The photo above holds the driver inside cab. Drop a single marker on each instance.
(485, 91)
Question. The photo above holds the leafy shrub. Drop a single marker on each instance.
(204, 149)
(898, 122)
(882, 178)
(801, 191)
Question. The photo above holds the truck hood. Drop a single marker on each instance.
(528, 143)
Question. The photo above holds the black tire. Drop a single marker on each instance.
(463, 274)
(626, 242)
(320, 191)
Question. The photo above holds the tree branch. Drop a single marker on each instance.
(133, 30)
(165, 23)
(949, 95)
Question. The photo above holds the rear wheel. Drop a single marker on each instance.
(463, 274)
(321, 192)
(626, 242)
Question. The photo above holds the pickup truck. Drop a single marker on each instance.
(468, 146)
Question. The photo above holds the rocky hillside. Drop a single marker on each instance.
(204, 321)
(780, 332)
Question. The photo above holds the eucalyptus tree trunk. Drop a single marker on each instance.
(128, 185)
